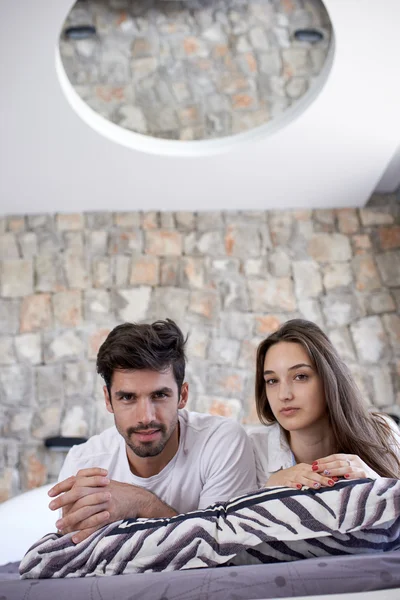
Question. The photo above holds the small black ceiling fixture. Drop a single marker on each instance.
(63, 444)
(308, 35)
(80, 32)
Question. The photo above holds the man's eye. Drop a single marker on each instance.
(127, 397)
(160, 395)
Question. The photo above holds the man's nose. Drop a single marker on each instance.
(145, 411)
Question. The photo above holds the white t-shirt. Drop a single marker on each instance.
(214, 462)
(272, 451)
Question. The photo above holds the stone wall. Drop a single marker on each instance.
(227, 278)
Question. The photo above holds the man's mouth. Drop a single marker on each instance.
(147, 435)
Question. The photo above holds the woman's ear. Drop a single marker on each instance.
(184, 395)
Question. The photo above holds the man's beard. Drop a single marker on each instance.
(147, 449)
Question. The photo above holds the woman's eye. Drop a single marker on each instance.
(301, 377)
(270, 381)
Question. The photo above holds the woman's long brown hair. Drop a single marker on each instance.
(356, 430)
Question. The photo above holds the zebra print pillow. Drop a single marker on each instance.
(270, 525)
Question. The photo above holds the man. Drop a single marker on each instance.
(160, 459)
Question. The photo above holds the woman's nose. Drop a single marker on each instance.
(285, 391)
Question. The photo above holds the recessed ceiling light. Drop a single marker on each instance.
(80, 32)
(308, 35)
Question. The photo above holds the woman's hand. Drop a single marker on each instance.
(349, 466)
(300, 475)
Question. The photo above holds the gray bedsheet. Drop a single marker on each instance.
(314, 576)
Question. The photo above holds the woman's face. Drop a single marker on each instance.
(293, 387)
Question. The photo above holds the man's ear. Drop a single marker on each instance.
(107, 399)
(184, 395)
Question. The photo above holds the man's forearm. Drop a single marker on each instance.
(149, 506)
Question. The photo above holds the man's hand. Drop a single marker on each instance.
(88, 507)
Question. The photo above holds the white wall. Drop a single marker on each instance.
(333, 154)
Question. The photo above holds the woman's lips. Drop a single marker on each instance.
(287, 412)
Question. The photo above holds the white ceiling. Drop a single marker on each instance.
(331, 152)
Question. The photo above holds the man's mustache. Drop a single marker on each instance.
(152, 425)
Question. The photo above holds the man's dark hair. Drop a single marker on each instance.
(158, 347)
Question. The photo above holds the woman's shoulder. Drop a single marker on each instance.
(262, 433)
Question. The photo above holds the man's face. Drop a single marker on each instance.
(145, 406)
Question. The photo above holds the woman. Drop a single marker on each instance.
(319, 428)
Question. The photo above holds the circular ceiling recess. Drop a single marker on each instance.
(194, 70)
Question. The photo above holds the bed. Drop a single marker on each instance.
(375, 572)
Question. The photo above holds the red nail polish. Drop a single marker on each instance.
(331, 482)
(346, 476)
(335, 479)
(315, 462)
(315, 467)
(299, 486)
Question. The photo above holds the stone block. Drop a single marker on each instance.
(36, 313)
(392, 326)
(27, 242)
(340, 309)
(67, 308)
(76, 271)
(255, 267)
(97, 306)
(348, 220)
(121, 270)
(192, 272)
(144, 270)
(95, 340)
(97, 242)
(8, 246)
(242, 241)
(337, 275)
(270, 62)
(127, 220)
(370, 339)
(66, 345)
(102, 275)
(167, 220)
(296, 61)
(79, 377)
(389, 237)
(49, 242)
(49, 273)
(170, 302)
(150, 220)
(185, 220)
(365, 273)
(74, 423)
(209, 220)
(279, 263)
(126, 242)
(266, 324)
(132, 304)
(69, 222)
(99, 220)
(310, 309)
(248, 353)
(281, 227)
(341, 339)
(16, 223)
(204, 307)
(380, 302)
(16, 385)
(198, 342)
(230, 408)
(43, 222)
(272, 294)
(325, 247)
(307, 279)
(73, 241)
(16, 278)
(381, 383)
(375, 216)
(7, 353)
(224, 351)
(210, 243)
(33, 469)
(169, 271)
(9, 316)
(226, 382)
(162, 242)
(236, 325)
(46, 421)
(326, 218)
(389, 268)
(361, 244)
(29, 348)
